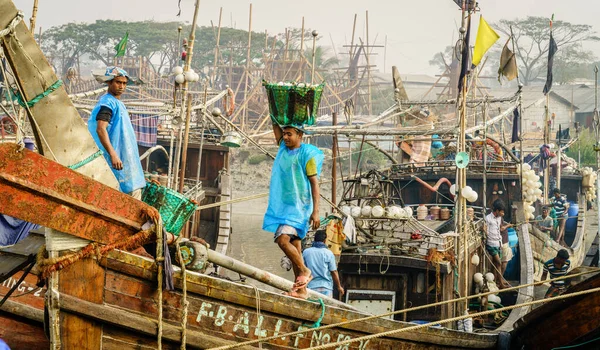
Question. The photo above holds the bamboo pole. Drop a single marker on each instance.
(368, 54)
(184, 86)
(248, 56)
(186, 136)
(333, 162)
(33, 17)
(217, 48)
(314, 52)
(302, 36)
(547, 141)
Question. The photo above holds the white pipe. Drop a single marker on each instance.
(267, 277)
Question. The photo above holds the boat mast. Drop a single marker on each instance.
(185, 96)
(597, 149)
(33, 17)
(461, 172)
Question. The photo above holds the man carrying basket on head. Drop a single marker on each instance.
(294, 198)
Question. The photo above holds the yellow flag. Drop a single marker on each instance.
(486, 37)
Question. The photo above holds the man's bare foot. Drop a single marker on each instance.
(300, 293)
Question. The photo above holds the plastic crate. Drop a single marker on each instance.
(174, 208)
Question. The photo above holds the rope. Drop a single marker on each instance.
(258, 329)
(184, 302)
(86, 160)
(37, 99)
(40, 75)
(344, 323)
(49, 265)
(10, 29)
(317, 324)
(448, 320)
(159, 266)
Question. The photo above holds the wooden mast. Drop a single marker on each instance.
(185, 96)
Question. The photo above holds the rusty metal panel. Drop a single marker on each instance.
(41, 191)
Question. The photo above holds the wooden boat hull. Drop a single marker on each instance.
(22, 316)
(220, 312)
(563, 322)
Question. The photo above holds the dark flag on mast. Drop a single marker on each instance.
(508, 64)
(552, 48)
(470, 4)
(465, 60)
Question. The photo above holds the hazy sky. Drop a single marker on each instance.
(415, 29)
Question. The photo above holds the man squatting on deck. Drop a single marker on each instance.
(321, 261)
(111, 128)
(294, 199)
(557, 267)
(492, 228)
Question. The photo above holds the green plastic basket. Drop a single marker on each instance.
(174, 208)
(293, 103)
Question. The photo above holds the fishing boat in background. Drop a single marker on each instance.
(87, 227)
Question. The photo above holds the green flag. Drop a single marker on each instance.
(122, 46)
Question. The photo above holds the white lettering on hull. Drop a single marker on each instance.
(242, 324)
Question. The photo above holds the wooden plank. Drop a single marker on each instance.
(137, 323)
(35, 189)
(233, 296)
(27, 293)
(22, 333)
(83, 280)
(115, 338)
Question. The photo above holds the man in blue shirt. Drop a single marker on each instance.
(561, 207)
(111, 128)
(321, 261)
(557, 267)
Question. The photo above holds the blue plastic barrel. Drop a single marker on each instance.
(571, 225)
(513, 239)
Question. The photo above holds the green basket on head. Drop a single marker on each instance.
(294, 103)
(175, 209)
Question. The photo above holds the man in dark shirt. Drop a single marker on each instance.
(557, 267)
(561, 207)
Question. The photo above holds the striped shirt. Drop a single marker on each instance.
(559, 206)
(557, 272)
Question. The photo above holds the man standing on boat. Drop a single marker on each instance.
(561, 207)
(321, 261)
(557, 267)
(493, 227)
(544, 222)
(111, 128)
(294, 198)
